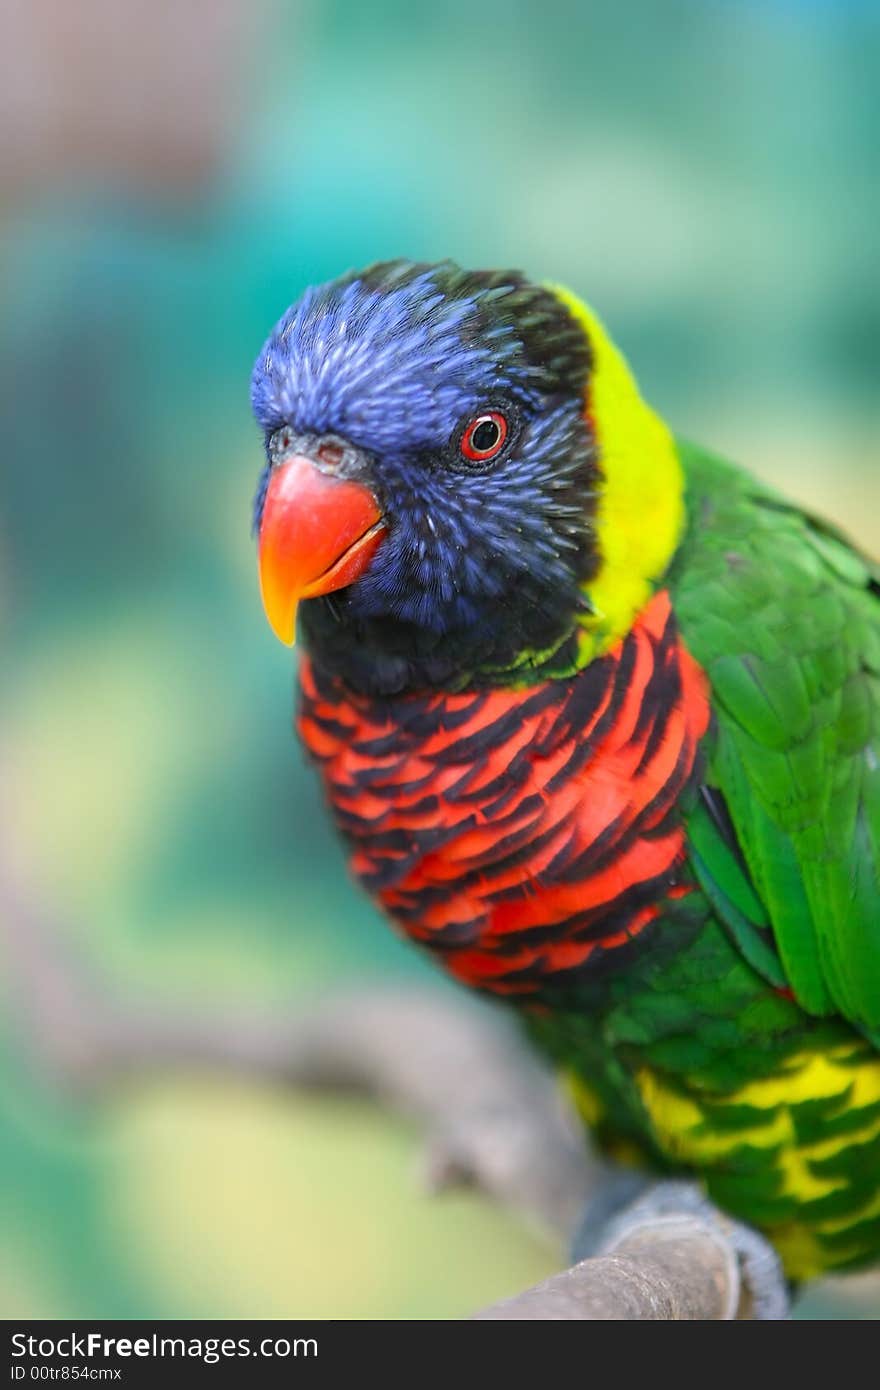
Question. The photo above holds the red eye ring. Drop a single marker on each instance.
(484, 437)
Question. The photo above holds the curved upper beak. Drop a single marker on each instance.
(318, 532)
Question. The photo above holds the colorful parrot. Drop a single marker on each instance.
(598, 716)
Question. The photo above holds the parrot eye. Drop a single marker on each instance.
(484, 437)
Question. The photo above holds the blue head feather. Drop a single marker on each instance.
(481, 564)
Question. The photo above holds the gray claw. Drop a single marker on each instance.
(627, 1203)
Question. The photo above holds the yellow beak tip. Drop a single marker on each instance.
(285, 632)
(282, 621)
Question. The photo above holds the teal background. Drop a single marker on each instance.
(705, 174)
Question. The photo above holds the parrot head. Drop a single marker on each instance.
(427, 502)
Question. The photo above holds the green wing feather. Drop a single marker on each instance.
(784, 617)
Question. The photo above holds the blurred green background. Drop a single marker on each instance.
(171, 176)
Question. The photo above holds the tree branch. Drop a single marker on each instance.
(492, 1113)
(670, 1268)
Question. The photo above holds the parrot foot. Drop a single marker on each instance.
(629, 1200)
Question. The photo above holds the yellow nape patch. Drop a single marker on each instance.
(687, 1129)
(641, 505)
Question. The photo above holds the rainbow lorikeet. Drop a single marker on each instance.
(598, 715)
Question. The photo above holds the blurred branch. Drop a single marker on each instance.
(669, 1267)
(492, 1113)
(144, 95)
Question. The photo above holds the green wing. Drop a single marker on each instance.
(784, 617)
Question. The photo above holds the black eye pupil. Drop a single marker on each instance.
(485, 436)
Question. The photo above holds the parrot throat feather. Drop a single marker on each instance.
(527, 836)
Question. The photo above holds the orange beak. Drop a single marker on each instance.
(318, 533)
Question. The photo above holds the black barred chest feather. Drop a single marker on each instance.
(529, 835)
